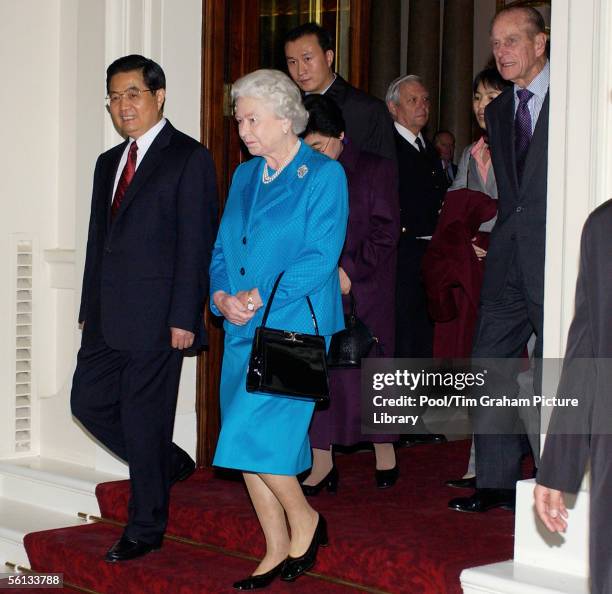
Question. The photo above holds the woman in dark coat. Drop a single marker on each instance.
(367, 269)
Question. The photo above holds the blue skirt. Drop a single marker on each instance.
(259, 433)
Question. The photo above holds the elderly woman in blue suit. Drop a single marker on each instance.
(286, 212)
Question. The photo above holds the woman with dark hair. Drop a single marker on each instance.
(367, 270)
(475, 171)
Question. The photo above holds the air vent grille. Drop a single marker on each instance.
(23, 348)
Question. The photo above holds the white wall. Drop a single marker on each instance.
(55, 53)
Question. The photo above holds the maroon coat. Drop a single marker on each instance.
(368, 258)
(453, 274)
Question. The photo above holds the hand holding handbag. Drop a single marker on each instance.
(352, 344)
(288, 364)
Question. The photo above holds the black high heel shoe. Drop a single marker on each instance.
(294, 567)
(330, 482)
(254, 582)
(387, 478)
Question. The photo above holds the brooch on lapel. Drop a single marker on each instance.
(302, 171)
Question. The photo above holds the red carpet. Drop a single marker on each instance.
(399, 540)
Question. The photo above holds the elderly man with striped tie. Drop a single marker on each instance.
(152, 226)
(512, 296)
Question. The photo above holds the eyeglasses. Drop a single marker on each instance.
(322, 149)
(132, 95)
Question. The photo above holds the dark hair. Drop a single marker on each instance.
(324, 116)
(152, 72)
(490, 77)
(535, 20)
(323, 36)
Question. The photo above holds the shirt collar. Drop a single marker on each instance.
(539, 85)
(408, 135)
(145, 141)
(326, 88)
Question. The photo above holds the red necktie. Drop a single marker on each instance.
(124, 181)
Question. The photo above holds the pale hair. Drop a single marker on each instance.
(393, 92)
(277, 91)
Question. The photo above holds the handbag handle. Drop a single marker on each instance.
(353, 304)
(269, 305)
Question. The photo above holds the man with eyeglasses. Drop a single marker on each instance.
(152, 226)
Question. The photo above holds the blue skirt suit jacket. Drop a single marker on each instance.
(296, 224)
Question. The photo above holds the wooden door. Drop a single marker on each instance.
(239, 36)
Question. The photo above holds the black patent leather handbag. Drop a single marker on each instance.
(288, 364)
(352, 344)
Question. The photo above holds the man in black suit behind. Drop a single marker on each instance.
(512, 296)
(422, 185)
(310, 57)
(151, 230)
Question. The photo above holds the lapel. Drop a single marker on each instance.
(538, 141)
(109, 181)
(247, 197)
(338, 90)
(285, 193)
(407, 147)
(148, 165)
(505, 118)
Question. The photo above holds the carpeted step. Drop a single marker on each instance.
(177, 568)
(403, 539)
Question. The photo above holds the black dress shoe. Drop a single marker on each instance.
(423, 438)
(387, 478)
(127, 548)
(294, 567)
(183, 469)
(463, 483)
(262, 580)
(483, 500)
(330, 482)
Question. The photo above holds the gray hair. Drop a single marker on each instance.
(393, 92)
(277, 91)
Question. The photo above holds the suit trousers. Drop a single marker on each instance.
(127, 401)
(413, 326)
(503, 329)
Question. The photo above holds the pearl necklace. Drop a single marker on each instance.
(266, 178)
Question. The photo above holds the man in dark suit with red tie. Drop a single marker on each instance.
(151, 230)
(512, 296)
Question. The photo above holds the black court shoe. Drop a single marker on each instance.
(294, 567)
(254, 582)
(330, 482)
(387, 478)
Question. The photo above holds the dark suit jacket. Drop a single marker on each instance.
(575, 434)
(521, 218)
(370, 250)
(147, 270)
(368, 123)
(422, 184)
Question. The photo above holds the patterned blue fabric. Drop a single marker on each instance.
(296, 224)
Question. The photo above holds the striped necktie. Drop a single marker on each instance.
(124, 181)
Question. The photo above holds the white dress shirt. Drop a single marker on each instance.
(409, 136)
(144, 142)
